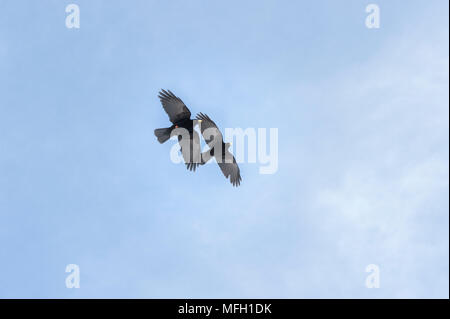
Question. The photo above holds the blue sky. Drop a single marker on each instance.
(363, 177)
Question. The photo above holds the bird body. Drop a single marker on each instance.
(218, 150)
(179, 115)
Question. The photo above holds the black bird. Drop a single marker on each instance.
(180, 116)
(218, 149)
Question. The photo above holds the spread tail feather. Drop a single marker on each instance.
(163, 134)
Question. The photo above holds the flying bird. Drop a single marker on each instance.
(180, 116)
(218, 149)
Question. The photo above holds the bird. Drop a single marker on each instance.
(218, 149)
(182, 126)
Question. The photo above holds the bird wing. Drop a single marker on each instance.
(206, 157)
(232, 170)
(209, 129)
(191, 150)
(173, 106)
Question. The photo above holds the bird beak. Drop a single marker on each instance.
(231, 143)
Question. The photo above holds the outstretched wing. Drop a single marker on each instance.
(232, 170)
(174, 107)
(191, 151)
(209, 129)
